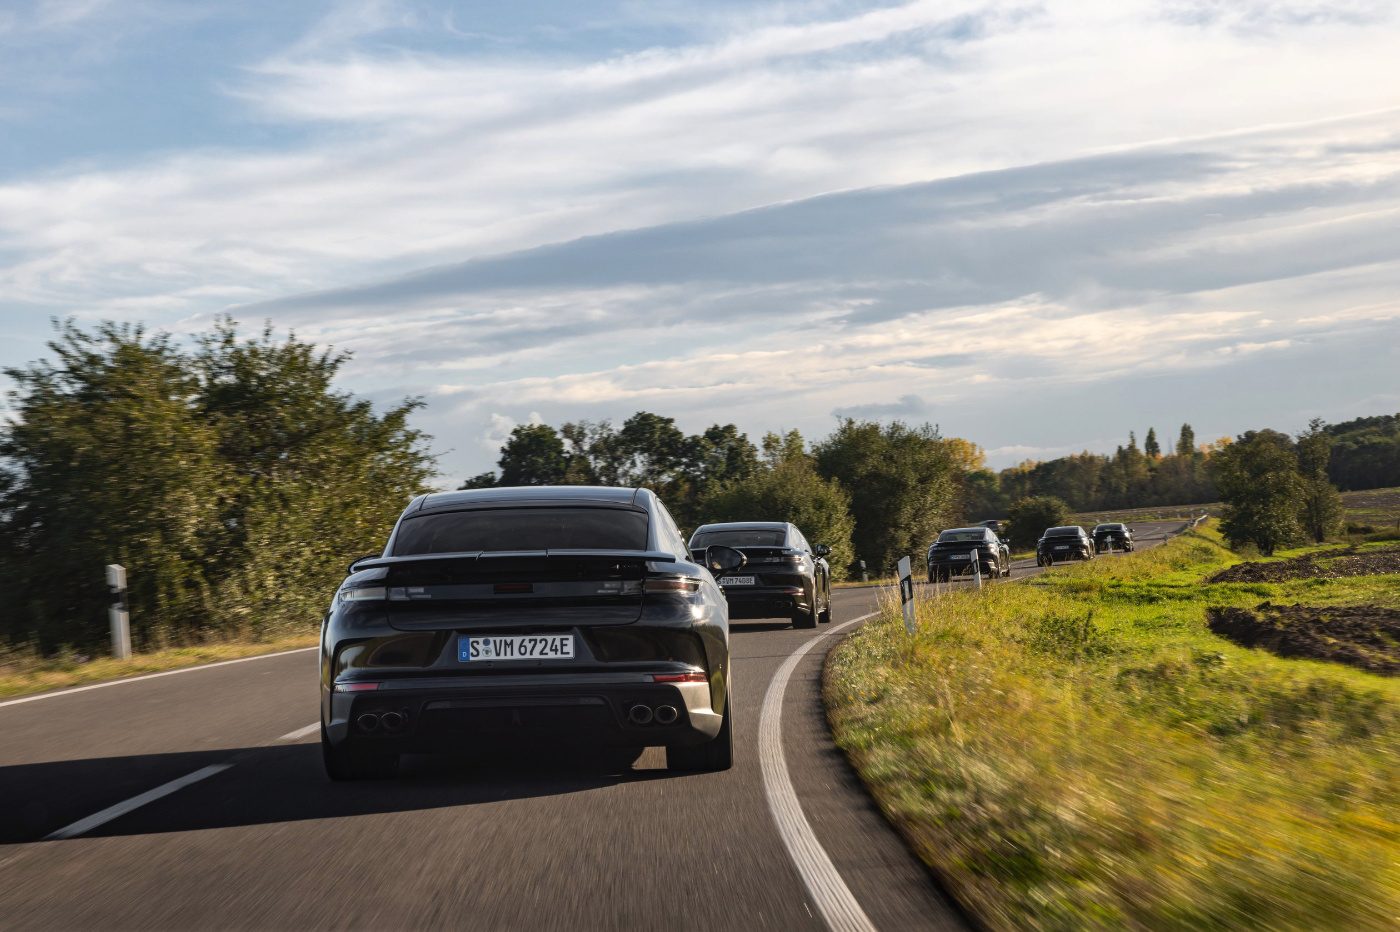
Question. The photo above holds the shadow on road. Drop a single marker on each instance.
(277, 784)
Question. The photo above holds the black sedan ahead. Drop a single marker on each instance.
(1071, 542)
(541, 616)
(784, 576)
(956, 549)
(1113, 536)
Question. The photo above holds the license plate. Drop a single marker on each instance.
(959, 556)
(516, 647)
(737, 581)
(1062, 547)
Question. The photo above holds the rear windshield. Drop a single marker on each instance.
(1109, 527)
(735, 537)
(523, 529)
(948, 536)
(1063, 532)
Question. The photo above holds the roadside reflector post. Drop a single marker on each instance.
(977, 568)
(906, 592)
(117, 615)
(864, 574)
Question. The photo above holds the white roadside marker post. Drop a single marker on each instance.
(906, 592)
(977, 567)
(117, 615)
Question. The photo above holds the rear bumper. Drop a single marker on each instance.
(766, 601)
(460, 713)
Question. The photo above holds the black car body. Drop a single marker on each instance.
(1113, 536)
(954, 552)
(1070, 542)
(529, 615)
(784, 576)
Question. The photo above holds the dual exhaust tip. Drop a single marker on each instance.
(644, 715)
(388, 722)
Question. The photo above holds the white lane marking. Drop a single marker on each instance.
(300, 732)
(835, 902)
(83, 826)
(151, 676)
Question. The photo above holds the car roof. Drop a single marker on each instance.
(535, 494)
(1064, 527)
(953, 530)
(745, 526)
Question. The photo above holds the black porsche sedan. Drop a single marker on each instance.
(1113, 536)
(784, 576)
(539, 615)
(1070, 542)
(956, 549)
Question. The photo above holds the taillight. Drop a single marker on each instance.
(672, 584)
(364, 594)
(356, 687)
(679, 678)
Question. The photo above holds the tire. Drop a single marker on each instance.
(346, 763)
(801, 619)
(711, 757)
(825, 616)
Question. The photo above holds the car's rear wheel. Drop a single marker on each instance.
(714, 755)
(807, 619)
(825, 616)
(349, 763)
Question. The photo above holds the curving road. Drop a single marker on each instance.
(197, 800)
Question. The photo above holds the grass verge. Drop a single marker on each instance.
(22, 674)
(1080, 751)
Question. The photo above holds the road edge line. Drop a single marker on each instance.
(838, 906)
(151, 676)
(85, 825)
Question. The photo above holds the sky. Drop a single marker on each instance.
(1039, 225)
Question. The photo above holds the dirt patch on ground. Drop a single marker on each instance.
(1331, 564)
(1365, 636)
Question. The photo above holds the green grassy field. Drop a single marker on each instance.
(1080, 751)
(1379, 508)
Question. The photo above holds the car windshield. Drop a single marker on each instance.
(961, 536)
(739, 537)
(505, 529)
(1109, 527)
(1063, 532)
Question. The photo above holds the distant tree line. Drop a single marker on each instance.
(1132, 477)
(230, 479)
(1365, 453)
(870, 491)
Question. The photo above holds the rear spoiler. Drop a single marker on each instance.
(651, 556)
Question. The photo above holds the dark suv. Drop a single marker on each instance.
(784, 577)
(541, 616)
(954, 551)
(1115, 536)
(1071, 542)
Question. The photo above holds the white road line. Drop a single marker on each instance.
(835, 902)
(151, 676)
(83, 826)
(300, 732)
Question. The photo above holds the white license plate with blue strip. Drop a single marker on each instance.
(515, 647)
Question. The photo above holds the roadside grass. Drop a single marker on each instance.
(857, 584)
(1078, 750)
(22, 673)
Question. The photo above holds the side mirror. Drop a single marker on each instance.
(349, 570)
(720, 559)
(821, 550)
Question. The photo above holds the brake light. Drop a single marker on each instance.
(679, 678)
(676, 584)
(356, 687)
(508, 588)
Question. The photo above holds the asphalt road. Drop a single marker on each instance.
(257, 838)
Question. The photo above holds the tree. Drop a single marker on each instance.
(1150, 446)
(902, 483)
(1257, 476)
(1320, 509)
(1186, 441)
(790, 490)
(1029, 517)
(532, 455)
(233, 482)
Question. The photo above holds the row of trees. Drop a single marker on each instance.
(868, 490)
(1365, 452)
(230, 478)
(1132, 477)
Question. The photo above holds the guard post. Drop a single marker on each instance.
(117, 615)
(906, 592)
